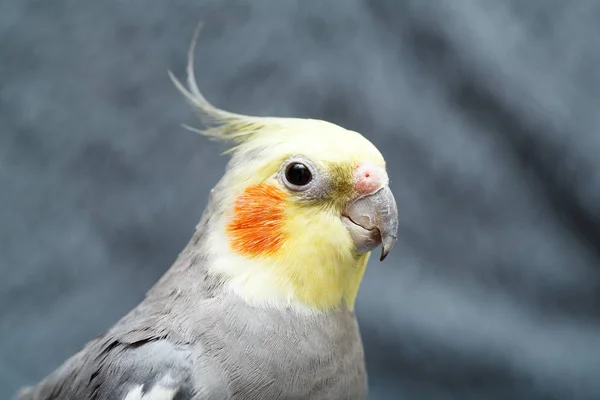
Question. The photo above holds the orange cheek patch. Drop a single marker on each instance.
(256, 228)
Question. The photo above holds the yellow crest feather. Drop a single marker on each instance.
(220, 124)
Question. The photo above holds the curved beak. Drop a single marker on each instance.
(373, 220)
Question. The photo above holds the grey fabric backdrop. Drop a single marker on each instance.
(485, 110)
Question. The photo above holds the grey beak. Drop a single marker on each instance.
(373, 220)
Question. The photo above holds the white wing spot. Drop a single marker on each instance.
(157, 393)
(134, 394)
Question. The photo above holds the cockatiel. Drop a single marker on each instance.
(259, 304)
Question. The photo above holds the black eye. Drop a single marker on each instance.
(298, 174)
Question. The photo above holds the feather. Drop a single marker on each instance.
(220, 124)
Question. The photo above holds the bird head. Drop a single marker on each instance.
(299, 209)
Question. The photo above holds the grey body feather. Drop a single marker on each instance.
(191, 335)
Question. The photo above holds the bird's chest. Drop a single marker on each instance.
(286, 356)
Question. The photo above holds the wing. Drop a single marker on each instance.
(145, 368)
(153, 353)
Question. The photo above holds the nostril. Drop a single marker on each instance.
(367, 179)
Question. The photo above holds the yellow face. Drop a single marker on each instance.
(283, 224)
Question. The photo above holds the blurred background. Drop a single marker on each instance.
(487, 113)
